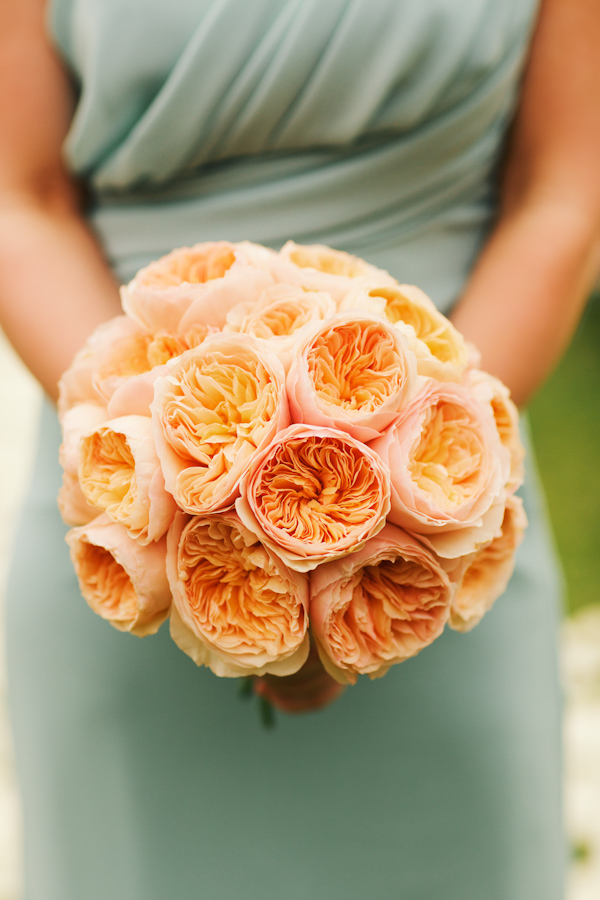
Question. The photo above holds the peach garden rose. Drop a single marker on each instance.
(314, 494)
(379, 606)
(237, 608)
(353, 372)
(121, 580)
(215, 408)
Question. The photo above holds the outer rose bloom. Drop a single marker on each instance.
(120, 474)
(448, 469)
(117, 351)
(281, 316)
(193, 285)
(76, 421)
(313, 495)
(440, 349)
(236, 607)
(216, 407)
(484, 575)
(379, 606)
(353, 372)
(122, 581)
(319, 268)
(491, 390)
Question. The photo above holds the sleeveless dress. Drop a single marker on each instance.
(374, 126)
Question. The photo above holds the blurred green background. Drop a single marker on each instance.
(565, 420)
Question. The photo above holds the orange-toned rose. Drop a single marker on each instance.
(120, 474)
(193, 286)
(319, 268)
(122, 581)
(237, 608)
(281, 316)
(448, 468)
(491, 390)
(353, 372)
(218, 405)
(379, 606)
(314, 494)
(484, 575)
(440, 349)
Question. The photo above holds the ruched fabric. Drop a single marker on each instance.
(375, 126)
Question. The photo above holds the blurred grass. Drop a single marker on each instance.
(565, 420)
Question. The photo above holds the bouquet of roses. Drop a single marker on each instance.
(271, 444)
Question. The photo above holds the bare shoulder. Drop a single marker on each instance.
(35, 102)
(556, 141)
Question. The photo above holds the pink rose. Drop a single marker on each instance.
(121, 580)
(440, 349)
(236, 607)
(448, 469)
(193, 286)
(352, 372)
(314, 494)
(120, 474)
(379, 606)
(483, 576)
(218, 405)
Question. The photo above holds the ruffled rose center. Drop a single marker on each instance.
(356, 366)
(430, 326)
(236, 596)
(107, 475)
(318, 490)
(395, 609)
(446, 461)
(105, 584)
(216, 409)
(142, 352)
(331, 262)
(190, 266)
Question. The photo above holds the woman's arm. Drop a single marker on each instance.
(534, 275)
(55, 287)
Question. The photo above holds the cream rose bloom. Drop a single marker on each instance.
(448, 467)
(194, 286)
(314, 494)
(120, 474)
(483, 576)
(352, 372)
(121, 580)
(440, 349)
(236, 607)
(217, 406)
(378, 607)
(281, 316)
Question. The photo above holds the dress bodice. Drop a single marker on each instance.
(353, 122)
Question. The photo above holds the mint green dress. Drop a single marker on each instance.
(374, 126)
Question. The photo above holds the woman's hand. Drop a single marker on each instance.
(530, 284)
(309, 689)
